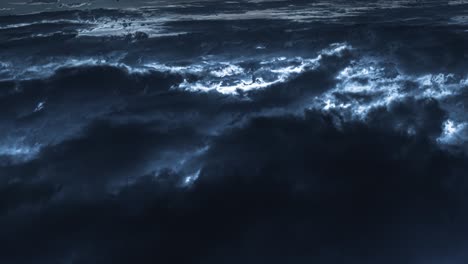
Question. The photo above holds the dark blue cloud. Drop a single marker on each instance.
(241, 132)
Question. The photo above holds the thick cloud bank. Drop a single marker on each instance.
(249, 132)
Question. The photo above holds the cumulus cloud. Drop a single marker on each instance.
(297, 185)
(341, 140)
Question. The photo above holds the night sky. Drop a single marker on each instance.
(261, 131)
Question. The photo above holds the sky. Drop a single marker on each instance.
(280, 132)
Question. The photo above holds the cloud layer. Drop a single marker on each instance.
(175, 135)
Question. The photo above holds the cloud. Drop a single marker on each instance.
(272, 190)
(105, 158)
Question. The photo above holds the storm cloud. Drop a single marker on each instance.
(250, 131)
